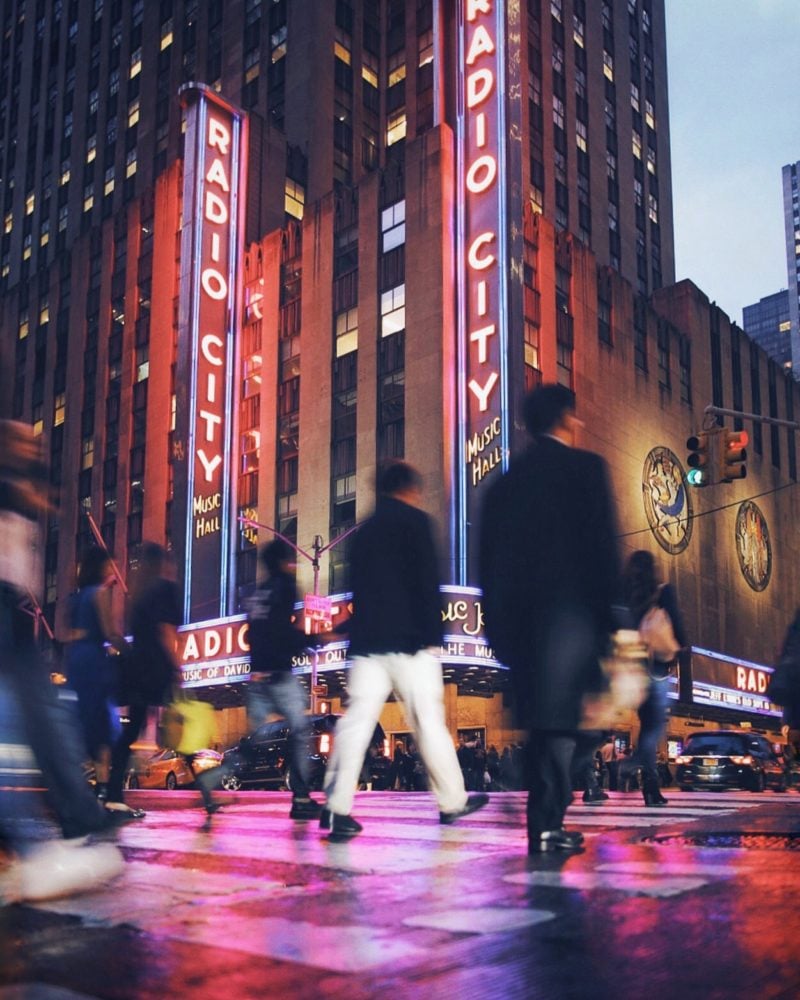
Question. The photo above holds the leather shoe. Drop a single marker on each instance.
(343, 827)
(555, 840)
(595, 798)
(473, 804)
(305, 809)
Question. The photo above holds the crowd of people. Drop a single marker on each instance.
(554, 594)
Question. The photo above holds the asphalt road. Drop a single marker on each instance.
(697, 900)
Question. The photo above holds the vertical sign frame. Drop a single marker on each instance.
(483, 425)
(209, 317)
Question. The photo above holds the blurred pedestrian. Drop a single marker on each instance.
(784, 687)
(274, 640)
(644, 595)
(90, 671)
(395, 641)
(29, 709)
(152, 671)
(549, 574)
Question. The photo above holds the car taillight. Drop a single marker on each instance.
(746, 759)
(325, 743)
(683, 760)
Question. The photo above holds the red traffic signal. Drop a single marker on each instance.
(733, 455)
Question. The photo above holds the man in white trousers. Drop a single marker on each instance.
(395, 640)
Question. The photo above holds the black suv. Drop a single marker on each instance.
(729, 758)
(262, 758)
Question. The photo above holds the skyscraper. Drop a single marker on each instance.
(767, 322)
(791, 221)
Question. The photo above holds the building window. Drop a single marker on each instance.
(396, 127)
(393, 311)
(393, 226)
(294, 198)
(346, 326)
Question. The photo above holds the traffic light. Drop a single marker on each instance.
(698, 459)
(732, 456)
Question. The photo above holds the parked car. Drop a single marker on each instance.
(168, 769)
(262, 758)
(729, 758)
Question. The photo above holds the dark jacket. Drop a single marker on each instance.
(150, 672)
(395, 580)
(272, 635)
(549, 570)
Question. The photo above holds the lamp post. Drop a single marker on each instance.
(318, 549)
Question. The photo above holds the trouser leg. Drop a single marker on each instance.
(121, 751)
(417, 680)
(550, 787)
(290, 700)
(368, 688)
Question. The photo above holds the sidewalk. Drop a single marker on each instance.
(261, 906)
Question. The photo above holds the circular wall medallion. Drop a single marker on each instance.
(753, 545)
(667, 503)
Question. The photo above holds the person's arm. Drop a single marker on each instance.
(112, 634)
(668, 600)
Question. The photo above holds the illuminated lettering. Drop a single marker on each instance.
(482, 174)
(216, 210)
(480, 263)
(212, 340)
(481, 44)
(482, 392)
(214, 284)
(219, 135)
(480, 84)
(480, 337)
(475, 7)
(217, 175)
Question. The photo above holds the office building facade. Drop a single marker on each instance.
(791, 222)
(768, 323)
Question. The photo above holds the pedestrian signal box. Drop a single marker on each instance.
(699, 459)
(733, 455)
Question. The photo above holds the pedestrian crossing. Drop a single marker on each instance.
(257, 883)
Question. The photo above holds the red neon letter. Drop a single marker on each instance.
(480, 263)
(481, 42)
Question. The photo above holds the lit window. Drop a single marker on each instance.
(651, 159)
(555, 9)
(27, 247)
(278, 44)
(24, 325)
(425, 47)
(634, 97)
(130, 166)
(136, 63)
(44, 233)
(91, 148)
(581, 136)
(64, 178)
(87, 453)
(608, 65)
(393, 311)
(30, 203)
(133, 112)
(59, 409)
(578, 30)
(44, 312)
(88, 197)
(341, 52)
(8, 222)
(397, 68)
(393, 225)
(108, 185)
(652, 208)
(369, 71)
(396, 128)
(346, 332)
(636, 144)
(558, 112)
(166, 34)
(142, 363)
(38, 419)
(294, 198)
(649, 114)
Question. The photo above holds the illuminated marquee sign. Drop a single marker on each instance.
(482, 264)
(211, 250)
(215, 652)
(725, 682)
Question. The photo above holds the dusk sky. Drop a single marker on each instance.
(735, 121)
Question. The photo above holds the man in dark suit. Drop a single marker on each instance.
(549, 571)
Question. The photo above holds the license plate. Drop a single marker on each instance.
(709, 761)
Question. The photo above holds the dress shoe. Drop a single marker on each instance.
(473, 803)
(213, 807)
(595, 798)
(121, 813)
(343, 827)
(555, 840)
(305, 809)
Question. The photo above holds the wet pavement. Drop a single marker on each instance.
(697, 900)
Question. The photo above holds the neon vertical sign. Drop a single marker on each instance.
(211, 251)
(483, 443)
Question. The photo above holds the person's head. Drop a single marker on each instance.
(275, 555)
(640, 578)
(398, 479)
(95, 568)
(550, 409)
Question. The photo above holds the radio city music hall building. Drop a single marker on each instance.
(248, 254)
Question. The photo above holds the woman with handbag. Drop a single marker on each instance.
(654, 611)
(89, 668)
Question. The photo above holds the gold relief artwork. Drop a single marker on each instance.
(753, 546)
(667, 503)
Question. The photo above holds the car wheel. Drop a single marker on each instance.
(172, 781)
(231, 783)
(133, 782)
(759, 784)
(287, 780)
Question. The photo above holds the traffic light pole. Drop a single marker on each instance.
(718, 411)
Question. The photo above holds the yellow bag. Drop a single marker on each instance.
(188, 725)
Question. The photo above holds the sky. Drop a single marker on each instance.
(734, 95)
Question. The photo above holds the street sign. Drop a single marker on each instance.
(320, 690)
(317, 612)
